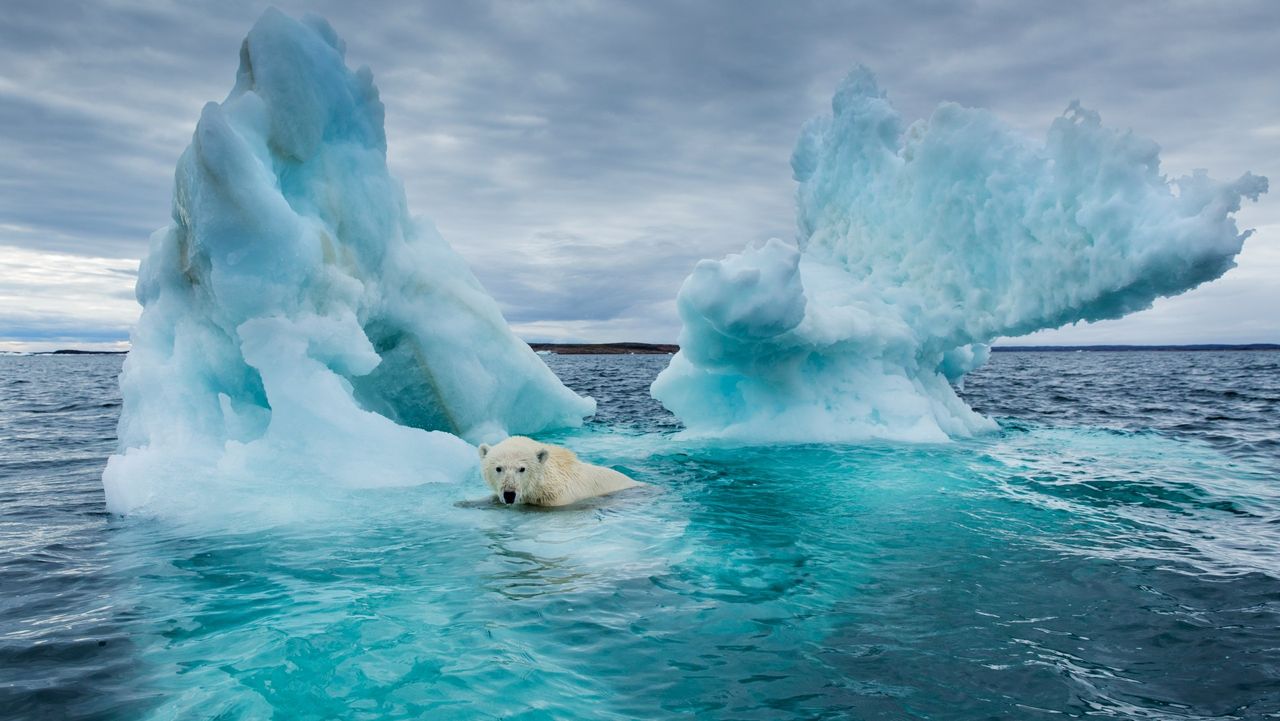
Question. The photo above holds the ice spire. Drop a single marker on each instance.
(296, 322)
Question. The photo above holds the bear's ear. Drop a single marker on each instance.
(542, 455)
(484, 449)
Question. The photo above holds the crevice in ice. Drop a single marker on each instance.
(402, 387)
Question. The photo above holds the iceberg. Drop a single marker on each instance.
(916, 247)
(298, 327)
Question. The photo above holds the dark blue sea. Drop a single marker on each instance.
(1112, 553)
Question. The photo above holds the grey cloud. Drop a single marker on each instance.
(568, 277)
(607, 145)
(60, 329)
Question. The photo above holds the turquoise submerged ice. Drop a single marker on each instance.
(917, 246)
(294, 313)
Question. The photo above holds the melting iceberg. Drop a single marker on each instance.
(297, 324)
(917, 246)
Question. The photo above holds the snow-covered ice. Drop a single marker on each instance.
(917, 246)
(299, 329)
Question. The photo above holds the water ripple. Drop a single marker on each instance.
(1112, 552)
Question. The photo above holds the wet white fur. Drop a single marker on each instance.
(545, 475)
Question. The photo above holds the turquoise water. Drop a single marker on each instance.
(1114, 552)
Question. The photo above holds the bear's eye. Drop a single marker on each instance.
(520, 469)
(498, 469)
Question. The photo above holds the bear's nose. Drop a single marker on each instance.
(508, 496)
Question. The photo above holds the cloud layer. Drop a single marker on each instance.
(582, 155)
(58, 300)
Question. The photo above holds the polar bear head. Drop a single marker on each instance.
(513, 468)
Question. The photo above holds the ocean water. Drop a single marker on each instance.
(1113, 552)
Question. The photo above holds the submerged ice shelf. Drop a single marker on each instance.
(297, 324)
(917, 246)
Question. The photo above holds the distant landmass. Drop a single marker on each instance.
(669, 348)
(1122, 348)
(606, 348)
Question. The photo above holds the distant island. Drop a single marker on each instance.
(606, 348)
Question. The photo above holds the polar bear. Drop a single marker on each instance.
(522, 470)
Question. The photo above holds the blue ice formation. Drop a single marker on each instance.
(917, 246)
(297, 324)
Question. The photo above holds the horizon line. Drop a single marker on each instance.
(665, 347)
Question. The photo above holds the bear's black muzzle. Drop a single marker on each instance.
(508, 497)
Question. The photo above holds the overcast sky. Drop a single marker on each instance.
(583, 155)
